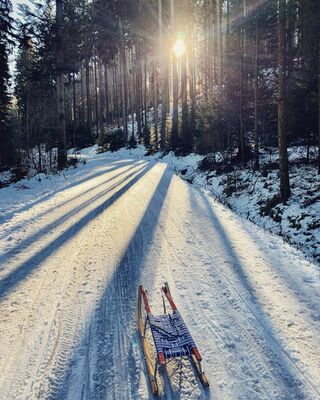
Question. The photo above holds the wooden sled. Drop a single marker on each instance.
(170, 338)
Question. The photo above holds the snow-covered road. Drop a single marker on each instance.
(72, 257)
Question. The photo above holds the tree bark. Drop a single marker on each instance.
(145, 85)
(282, 140)
(228, 51)
(115, 96)
(138, 88)
(82, 118)
(101, 98)
(164, 80)
(219, 44)
(184, 97)
(132, 93)
(96, 96)
(88, 96)
(175, 88)
(242, 143)
(124, 91)
(106, 93)
(155, 101)
(256, 91)
(62, 146)
(74, 109)
(192, 81)
(319, 109)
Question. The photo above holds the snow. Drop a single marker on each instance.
(298, 222)
(5, 178)
(73, 248)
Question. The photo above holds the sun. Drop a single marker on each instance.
(179, 48)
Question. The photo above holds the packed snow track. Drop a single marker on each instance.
(72, 257)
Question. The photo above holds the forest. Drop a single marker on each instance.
(227, 77)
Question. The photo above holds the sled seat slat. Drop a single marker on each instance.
(171, 335)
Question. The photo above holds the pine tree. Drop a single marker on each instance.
(62, 146)
(282, 142)
(7, 152)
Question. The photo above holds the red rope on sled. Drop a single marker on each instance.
(170, 300)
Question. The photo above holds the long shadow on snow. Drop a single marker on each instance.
(288, 276)
(8, 216)
(111, 332)
(44, 231)
(279, 362)
(64, 203)
(27, 267)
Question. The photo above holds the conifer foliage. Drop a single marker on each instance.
(7, 152)
(245, 75)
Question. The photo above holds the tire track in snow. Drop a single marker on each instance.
(112, 376)
(46, 334)
(67, 347)
(52, 334)
(118, 303)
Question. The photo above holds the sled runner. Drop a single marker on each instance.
(170, 337)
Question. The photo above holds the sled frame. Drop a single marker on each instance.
(154, 364)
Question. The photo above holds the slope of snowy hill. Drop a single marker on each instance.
(75, 246)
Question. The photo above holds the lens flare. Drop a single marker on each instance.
(179, 48)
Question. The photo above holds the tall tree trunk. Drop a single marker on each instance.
(115, 94)
(106, 94)
(96, 96)
(184, 59)
(228, 51)
(242, 143)
(74, 109)
(138, 87)
(175, 88)
(212, 53)
(124, 90)
(219, 44)
(208, 49)
(141, 87)
(62, 145)
(184, 97)
(282, 141)
(155, 101)
(132, 97)
(28, 121)
(309, 116)
(192, 84)
(74, 98)
(101, 97)
(88, 96)
(145, 85)
(256, 91)
(39, 158)
(164, 80)
(319, 108)
(82, 118)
